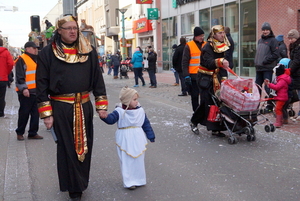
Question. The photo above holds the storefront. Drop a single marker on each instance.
(239, 16)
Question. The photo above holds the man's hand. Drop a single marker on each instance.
(225, 64)
(188, 80)
(48, 121)
(102, 114)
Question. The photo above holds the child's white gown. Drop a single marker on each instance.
(131, 146)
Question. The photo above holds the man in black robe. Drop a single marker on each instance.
(211, 72)
(68, 71)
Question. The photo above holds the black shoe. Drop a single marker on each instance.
(36, 137)
(182, 94)
(218, 134)
(194, 128)
(132, 187)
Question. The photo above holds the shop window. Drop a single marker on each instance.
(187, 23)
(248, 38)
(204, 21)
(232, 21)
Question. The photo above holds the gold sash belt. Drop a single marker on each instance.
(130, 127)
(214, 74)
(79, 131)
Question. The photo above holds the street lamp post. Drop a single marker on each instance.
(123, 10)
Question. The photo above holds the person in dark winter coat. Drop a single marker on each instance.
(177, 65)
(294, 49)
(281, 48)
(190, 64)
(229, 53)
(152, 58)
(266, 58)
(212, 70)
(281, 87)
(115, 62)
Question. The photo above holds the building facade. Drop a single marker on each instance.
(177, 18)
(243, 17)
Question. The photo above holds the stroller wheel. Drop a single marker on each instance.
(232, 140)
(249, 138)
(253, 138)
(292, 113)
(267, 128)
(272, 127)
(247, 130)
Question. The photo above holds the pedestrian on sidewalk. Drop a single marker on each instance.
(131, 141)
(281, 48)
(281, 87)
(64, 101)
(137, 61)
(266, 57)
(6, 66)
(176, 74)
(26, 88)
(177, 65)
(294, 64)
(190, 64)
(152, 58)
(115, 62)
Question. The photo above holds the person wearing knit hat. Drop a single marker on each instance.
(281, 48)
(294, 52)
(131, 141)
(67, 75)
(281, 87)
(267, 54)
(190, 65)
(293, 33)
(212, 70)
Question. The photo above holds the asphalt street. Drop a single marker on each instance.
(179, 165)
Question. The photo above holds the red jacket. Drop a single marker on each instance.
(6, 64)
(281, 87)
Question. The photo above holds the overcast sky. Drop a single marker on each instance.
(16, 25)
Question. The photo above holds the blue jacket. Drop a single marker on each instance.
(137, 60)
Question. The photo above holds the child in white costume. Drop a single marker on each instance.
(130, 137)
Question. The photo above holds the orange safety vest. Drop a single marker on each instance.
(195, 53)
(30, 72)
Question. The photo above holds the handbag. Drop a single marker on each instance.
(205, 81)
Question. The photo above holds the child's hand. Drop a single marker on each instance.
(267, 81)
(102, 114)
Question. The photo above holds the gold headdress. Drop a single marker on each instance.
(78, 52)
(218, 46)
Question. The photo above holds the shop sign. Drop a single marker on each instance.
(182, 2)
(152, 13)
(144, 1)
(174, 3)
(141, 25)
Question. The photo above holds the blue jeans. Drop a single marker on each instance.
(261, 76)
(138, 73)
(176, 77)
(116, 70)
(152, 77)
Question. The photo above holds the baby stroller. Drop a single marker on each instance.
(239, 108)
(124, 70)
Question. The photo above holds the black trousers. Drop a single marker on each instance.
(3, 86)
(194, 92)
(28, 107)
